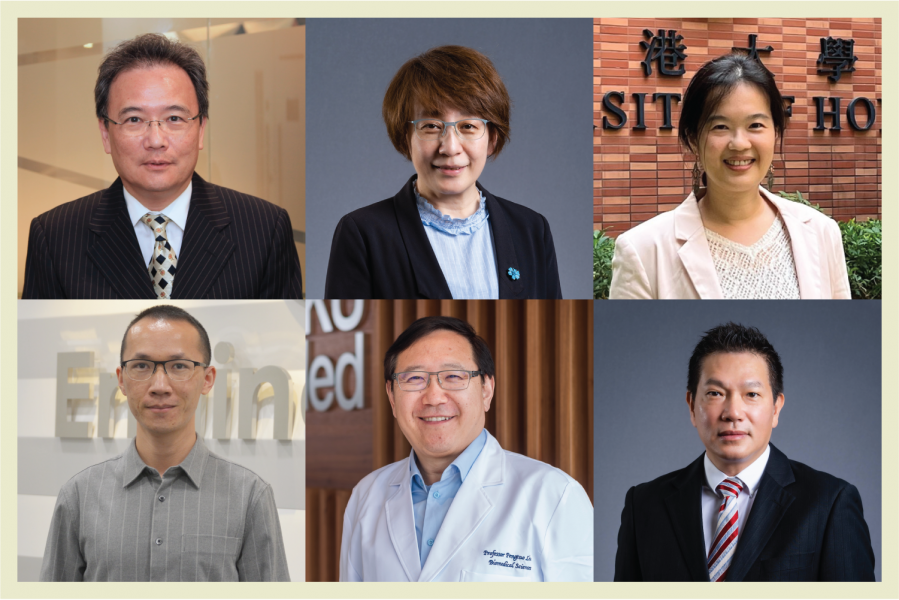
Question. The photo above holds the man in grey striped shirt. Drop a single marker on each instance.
(167, 509)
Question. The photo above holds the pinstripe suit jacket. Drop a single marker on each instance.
(804, 525)
(235, 246)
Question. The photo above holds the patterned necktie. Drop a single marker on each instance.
(725, 542)
(164, 263)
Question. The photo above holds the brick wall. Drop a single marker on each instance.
(638, 174)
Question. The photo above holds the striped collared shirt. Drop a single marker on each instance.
(207, 519)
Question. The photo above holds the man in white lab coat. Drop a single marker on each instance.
(460, 508)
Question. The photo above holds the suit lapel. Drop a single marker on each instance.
(114, 248)
(401, 522)
(506, 257)
(469, 509)
(694, 252)
(771, 502)
(686, 499)
(429, 279)
(205, 249)
(806, 251)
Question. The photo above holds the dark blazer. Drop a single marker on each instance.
(235, 246)
(382, 251)
(804, 525)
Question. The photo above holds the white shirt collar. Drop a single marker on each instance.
(750, 476)
(176, 211)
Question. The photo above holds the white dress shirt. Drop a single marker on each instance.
(711, 501)
(174, 231)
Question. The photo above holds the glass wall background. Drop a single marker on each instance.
(255, 140)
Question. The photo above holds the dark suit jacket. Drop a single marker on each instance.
(235, 246)
(804, 525)
(382, 251)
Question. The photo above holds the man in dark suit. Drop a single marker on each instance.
(743, 511)
(160, 230)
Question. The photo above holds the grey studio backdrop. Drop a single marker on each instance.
(547, 66)
(831, 420)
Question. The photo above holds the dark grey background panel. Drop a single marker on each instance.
(831, 420)
(58, 460)
(547, 66)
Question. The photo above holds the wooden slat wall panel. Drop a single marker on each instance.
(382, 449)
(542, 407)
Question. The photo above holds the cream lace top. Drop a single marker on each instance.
(764, 270)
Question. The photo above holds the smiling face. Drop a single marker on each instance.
(734, 410)
(163, 407)
(447, 168)
(155, 167)
(736, 145)
(440, 424)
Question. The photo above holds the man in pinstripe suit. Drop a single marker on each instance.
(160, 230)
(167, 509)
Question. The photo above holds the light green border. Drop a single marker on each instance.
(458, 8)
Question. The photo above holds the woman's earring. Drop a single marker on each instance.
(771, 177)
(697, 178)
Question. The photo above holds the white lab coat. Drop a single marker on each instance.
(513, 519)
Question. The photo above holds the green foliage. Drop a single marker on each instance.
(861, 243)
(603, 250)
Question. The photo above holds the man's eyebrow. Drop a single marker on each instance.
(137, 109)
(443, 366)
(754, 383)
(145, 356)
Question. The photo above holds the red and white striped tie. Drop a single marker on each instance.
(722, 548)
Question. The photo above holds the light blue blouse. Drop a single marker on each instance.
(464, 249)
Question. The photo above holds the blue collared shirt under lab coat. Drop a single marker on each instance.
(512, 519)
(430, 503)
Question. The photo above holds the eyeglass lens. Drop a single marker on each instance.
(418, 380)
(173, 124)
(177, 370)
(468, 130)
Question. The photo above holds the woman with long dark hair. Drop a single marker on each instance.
(731, 237)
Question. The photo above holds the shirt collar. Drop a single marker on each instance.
(176, 211)
(463, 462)
(431, 216)
(193, 464)
(750, 476)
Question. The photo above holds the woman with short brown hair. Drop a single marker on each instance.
(443, 235)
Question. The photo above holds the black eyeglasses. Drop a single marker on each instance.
(140, 369)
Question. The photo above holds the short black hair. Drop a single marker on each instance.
(168, 312)
(151, 50)
(428, 325)
(711, 85)
(732, 337)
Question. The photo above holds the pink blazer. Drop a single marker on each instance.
(668, 257)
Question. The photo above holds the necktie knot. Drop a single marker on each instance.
(163, 263)
(730, 487)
